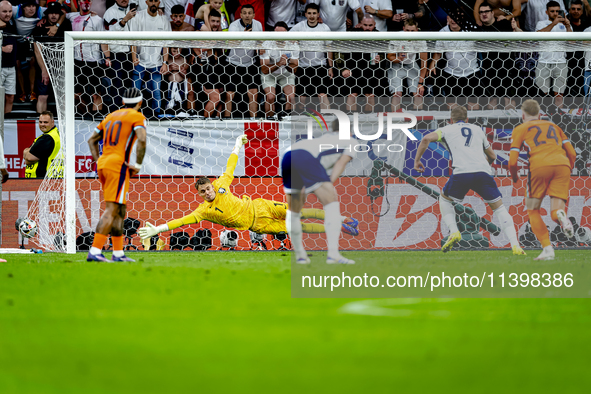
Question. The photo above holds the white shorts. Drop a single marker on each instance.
(8, 80)
(399, 72)
(557, 71)
(272, 80)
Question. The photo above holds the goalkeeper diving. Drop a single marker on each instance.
(224, 208)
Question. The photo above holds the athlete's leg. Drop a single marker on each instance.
(448, 215)
(507, 224)
(558, 214)
(539, 228)
(117, 231)
(327, 195)
(293, 224)
(104, 228)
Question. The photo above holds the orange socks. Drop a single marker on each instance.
(539, 227)
(554, 216)
(117, 242)
(99, 241)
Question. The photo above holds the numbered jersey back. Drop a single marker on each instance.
(542, 140)
(118, 130)
(466, 144)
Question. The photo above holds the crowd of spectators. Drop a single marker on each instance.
(213, 83)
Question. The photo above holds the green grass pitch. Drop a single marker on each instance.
(225, 322)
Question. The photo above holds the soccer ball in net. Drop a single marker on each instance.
(229, 239)
(583, 235)
(27, 228)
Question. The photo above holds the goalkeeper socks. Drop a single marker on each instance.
(448, 214)
(313, 228)
(332, 225)
(312, 213)
(294, 229)
(539, 227)
(315, 213)
(507, 224)
(118, 246)
(98, 243)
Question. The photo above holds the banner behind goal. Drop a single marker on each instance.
(279, 84)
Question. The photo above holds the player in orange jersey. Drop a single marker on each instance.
(551, 158)
(119, 131)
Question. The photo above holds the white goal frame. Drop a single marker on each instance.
(252, 37)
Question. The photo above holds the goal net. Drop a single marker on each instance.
(281, 87)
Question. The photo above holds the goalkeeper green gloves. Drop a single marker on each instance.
(240, 141)
(151, 230)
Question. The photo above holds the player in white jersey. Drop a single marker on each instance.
(471, 158)
(312, 166)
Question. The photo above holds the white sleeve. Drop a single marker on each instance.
(485, 142)
(385, 5)
(234, 26)
(354, 4)
(116, 26)
(133, 24)
(2, 161)
(101, 24)
(541, 24)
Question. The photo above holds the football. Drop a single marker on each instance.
(583, 235)
(27, 228)
(229, 239)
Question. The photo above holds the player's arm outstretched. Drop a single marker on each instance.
(431, 137)
(195, 217)
(226, 179)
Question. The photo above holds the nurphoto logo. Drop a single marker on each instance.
(344, 121)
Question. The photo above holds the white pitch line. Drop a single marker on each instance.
(384, 307)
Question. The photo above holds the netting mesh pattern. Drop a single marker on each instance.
(210, 92)
(48, 207)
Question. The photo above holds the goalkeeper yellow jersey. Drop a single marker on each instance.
(226, 209)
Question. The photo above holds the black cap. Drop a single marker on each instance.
(29, 2)
(54, 8)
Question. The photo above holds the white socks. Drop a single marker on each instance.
(293, 224)
(332, 226)
(95, 251)
(507, 224)
(448, 214)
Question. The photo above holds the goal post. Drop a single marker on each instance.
(182, 139)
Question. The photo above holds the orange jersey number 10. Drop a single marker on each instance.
(111, 127)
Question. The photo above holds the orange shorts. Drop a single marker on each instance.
(553, 181)
(115, 184)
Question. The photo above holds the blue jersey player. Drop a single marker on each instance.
(471, 158)
(312, 166)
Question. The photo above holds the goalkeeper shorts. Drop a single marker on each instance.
(269, 216)
(115, 184)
